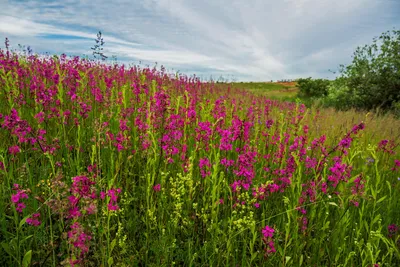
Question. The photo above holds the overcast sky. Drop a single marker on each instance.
(256, 40)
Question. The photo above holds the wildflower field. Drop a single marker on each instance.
(126, 166)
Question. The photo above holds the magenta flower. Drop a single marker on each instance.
(355, 203)
(245, 167)
(14, 150)
(311, 163)
(204, 133)
(113, 207)
(79, 239)
(269, 123)
(339, 172)
(73, 200)
(268, 234)
(20, 207)
(91, 208)
(396, 165)
(226, 139)
(358, 128)
(33, 220)
(157, 188)
(346, 142)
(205, 167)
(82, 186)
(40, 117)
(227, 162)
(123, 125)
(268, 231)
(113, 195)
(74, 213)
(387, 146)
(17, 198)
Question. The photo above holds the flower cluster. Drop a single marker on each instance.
(82, 195)
(113, 198)
(18, 197)
(157, 188)
(79, 240)
(268, 234)
(396, 165)
(205, 167)
(33, 220)
(357, 189)
(387, 146)
(339, 172)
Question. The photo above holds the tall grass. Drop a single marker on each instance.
(114, 166)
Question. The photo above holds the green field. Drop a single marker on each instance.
(271, 90)
(116, 166)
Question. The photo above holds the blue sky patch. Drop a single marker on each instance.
(249, 40)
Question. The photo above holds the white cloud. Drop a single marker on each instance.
(166, 56)
(256, 39)
(22, 27)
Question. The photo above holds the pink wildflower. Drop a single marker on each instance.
(268, 234)
(17, 198)
(33, 220)
(14, 150)
(157, 188)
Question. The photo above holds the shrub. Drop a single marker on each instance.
(373, 77)
(313, 88)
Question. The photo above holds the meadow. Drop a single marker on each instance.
(272, 90)
(113, 166)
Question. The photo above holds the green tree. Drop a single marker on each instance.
(373, 77)
(313, 87)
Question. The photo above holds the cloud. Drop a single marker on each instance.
(252, 40)
(22, 27)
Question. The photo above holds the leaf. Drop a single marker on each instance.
(373, 192)
(23, 221)
(26, 238)
(326, 226)
(113, 243)
(110, 261)
(13, 243)
(333, 204)
(381, 199)
(27, 259)
(6, 247)
(377, 217)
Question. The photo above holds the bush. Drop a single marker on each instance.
(340, 96)
(313, 88)
(372, 80)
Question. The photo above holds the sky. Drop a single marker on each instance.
(239, 40)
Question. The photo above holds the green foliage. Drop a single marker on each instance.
(339, 95)
(313, 87)
(372, 80)
(259, 86)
